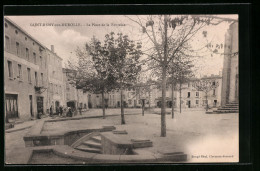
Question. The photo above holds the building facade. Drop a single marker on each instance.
(189, 97)
(55, 80)
(25, 75)
(75, 98)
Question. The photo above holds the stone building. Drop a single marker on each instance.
(192, 98)
(230, 89)
(55, 80)
(75, 98)
(25, 73)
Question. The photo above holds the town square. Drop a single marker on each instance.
(93, 89)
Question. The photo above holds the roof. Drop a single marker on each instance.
(27, 34)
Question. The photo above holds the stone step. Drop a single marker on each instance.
(96, 139)
(226, 111)
(232, 104)
(229, 107)
(92, 144)
(88, 149)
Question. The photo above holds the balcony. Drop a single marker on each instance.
(39, 89)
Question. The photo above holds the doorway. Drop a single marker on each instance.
(188, 103)
(215, 103)
(31, 106)
(57, 105)
(11, 106)
(39, 105)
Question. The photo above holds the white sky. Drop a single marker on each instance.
(67, 38)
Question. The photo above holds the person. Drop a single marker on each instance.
(61, 110)
(69, 113)
(80, 110)
(51, 111)
(57, 110)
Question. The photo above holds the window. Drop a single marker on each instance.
(214, 92)
(17, 48)
(34, 58)
(36, 79)
(20, 72)
(42, 78)
(7, 43)
(197, 94)
(10, 69)
(197, 102)
(213, 83)
(27, 53)
(29, 75)
(129, 102)
(41, 60)
(188, 94)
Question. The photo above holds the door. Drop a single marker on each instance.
(11, 107)
(57, 105)
(31, 106)
(189, 104)
(39, 105)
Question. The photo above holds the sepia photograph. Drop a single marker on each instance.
(119, 89)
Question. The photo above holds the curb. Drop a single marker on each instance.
(19, 129)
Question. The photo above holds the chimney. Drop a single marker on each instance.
(52, 48)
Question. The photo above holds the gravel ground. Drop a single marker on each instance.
(203, 137)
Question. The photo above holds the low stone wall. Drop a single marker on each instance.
(35, 138)
(116, 145)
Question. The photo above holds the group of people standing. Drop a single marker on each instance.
(62, 111)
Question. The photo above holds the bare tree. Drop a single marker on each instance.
(92, 70)
(205, 85)
(169, 37)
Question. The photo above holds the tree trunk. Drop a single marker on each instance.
(163, 121)
(122, 109)
(149, 98)
(172, 100)
(143, 105)
(103, 105)
(180, 97)
(207, 107)
(165, 55)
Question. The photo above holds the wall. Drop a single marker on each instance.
(230, 66)
(55, 80)
(18, 83)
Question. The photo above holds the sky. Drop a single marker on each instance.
(54, 30)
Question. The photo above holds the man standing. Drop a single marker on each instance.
(51, 111)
